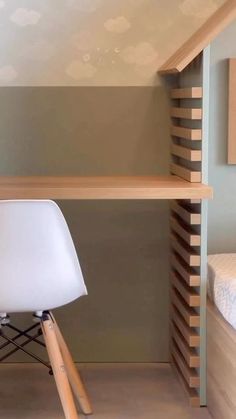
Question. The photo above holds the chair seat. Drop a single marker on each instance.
(39, 267)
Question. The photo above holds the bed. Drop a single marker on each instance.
(221, 336)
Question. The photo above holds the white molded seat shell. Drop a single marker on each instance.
(39, 267)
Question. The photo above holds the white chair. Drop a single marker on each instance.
(39, 271)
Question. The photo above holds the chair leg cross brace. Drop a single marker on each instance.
(66, 376)
(30, 338)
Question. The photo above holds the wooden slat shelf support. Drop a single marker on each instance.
(190, 374)
(191, 337)
(188, 218)
(195, 201)
(187, 93)
(185, 242)
(111, 187)
(191, 297)
(188, 313)
(185, 232)
(186, 113)
(185, 225)
(187, 214)
(186, 153)
(186, 252)
(189, 354)
(192, 176)
(187, 133)
(192, 393)
(187, 273)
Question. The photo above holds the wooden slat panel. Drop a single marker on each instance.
(194, 399)
(190, 355)
(186, 113)
(185, 232)
(190, 374)
(100, 187)
(188, 313)
(186, 252)
(186, 93)
(189, 334)
(186, 153)
(191, 297)
(187, 133)
(187, 273)
(189, 175)
(187, 214)
(200, 39)
(232, 112)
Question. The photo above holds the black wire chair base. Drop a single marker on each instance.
(21, 346)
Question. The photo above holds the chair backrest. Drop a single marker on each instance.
(39, 267)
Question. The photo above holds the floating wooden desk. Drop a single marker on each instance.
(111, 187)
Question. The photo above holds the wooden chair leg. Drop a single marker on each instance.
(72, 372)
(58, 368)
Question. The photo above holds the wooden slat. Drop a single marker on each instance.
(188, 215)
(186, 113)
(190, 374)
(189, 175)
(192, 393)
(187, 273)
(191, 337)
(101, 187)
(186, 153)
(190, 296)
(187, 133)
(186, 252)
(188, 313)
(200, 39)
(187, 93)
(185, 232)
(195, 201)
(190, 355)
(232, 112)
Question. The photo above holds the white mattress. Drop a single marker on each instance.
(222, 284)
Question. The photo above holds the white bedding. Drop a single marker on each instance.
(222, 284)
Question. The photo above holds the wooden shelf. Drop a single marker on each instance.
(111, 187)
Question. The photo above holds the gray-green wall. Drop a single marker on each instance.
(122, 245)
(222, 210)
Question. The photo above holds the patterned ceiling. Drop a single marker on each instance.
(93, 42)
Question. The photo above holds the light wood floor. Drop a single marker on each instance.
(117, 391)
